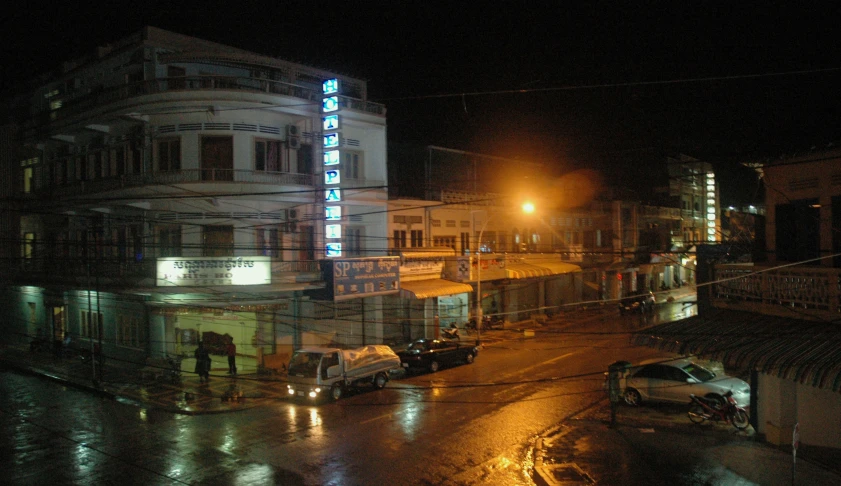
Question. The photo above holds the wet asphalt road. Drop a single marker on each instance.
(471, 424)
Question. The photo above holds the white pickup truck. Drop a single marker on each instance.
(315, 372)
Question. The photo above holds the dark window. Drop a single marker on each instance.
(217, 158)
(352, 242)
(305, 159)
(306, 243)
(169, 155)
(136, 158)
(328, 360)
(417, 238)
(218, 240)
(674, 374)
(399, 238)
(169, 241)
(120, 161)
(798, 231)
(268, 241)
(268, 156)
(351, 165)
(657, 372)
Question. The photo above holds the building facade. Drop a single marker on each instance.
(172, 189)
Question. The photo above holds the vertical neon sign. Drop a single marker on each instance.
(331, 141)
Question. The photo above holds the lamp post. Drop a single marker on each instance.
(478, 312)
(527, 208)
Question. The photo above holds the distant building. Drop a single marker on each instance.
(693, 185)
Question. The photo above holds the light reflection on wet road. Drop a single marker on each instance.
(422, 429)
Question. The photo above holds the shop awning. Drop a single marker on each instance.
(436, 287)
(525, 270)
(560, 268)
(808, 352)
(428, 253)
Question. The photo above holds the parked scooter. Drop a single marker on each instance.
(173, 372)
(491, 321)
(451, 332)
(702, 408)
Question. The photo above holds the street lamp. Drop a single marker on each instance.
(527, 208)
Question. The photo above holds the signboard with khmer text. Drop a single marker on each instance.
(204, 271)
(354, 278)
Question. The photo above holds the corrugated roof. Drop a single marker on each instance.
(436, 287)
(525, 270)
(560, 268)
(806, 351)
(435, 252)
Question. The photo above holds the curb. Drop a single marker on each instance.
(64, 381)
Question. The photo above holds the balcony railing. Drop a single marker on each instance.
(796, 292)
(75, 105)
(180, 177)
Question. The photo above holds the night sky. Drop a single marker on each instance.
(612, 86)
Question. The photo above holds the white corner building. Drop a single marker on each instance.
(172, 189)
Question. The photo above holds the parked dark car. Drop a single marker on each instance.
(431, 354)
(638, 304)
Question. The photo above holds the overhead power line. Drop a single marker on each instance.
(617, 85)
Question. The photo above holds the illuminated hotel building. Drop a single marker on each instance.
(693, 183)
(173, 189)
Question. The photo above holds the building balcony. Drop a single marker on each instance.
(78, 103)
(185, 176)
(796, 292)
(660, 212)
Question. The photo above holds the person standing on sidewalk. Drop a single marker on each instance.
(232, 357)
(202, 363)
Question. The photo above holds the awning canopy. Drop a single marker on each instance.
(424, 289)
(525, 270)
(560, 268)
(428, 252)
(806, 351)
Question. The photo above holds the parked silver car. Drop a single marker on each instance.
(673, 381)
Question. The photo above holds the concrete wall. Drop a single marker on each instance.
(783, 403)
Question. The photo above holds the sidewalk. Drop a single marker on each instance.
(658, 445)
(222, 394)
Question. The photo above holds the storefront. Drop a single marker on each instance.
(430, 302)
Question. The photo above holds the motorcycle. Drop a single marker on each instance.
(173, 371)
(491, 321)
(450, 332)
(488, 322)
(702, 408)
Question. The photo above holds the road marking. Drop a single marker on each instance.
(544, 363)
(388, 415)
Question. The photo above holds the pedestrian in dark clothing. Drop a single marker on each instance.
(232, 357)
(202, 363)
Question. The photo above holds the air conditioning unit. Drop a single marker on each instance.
(293, 130)
(293, 214)
(294, 142)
